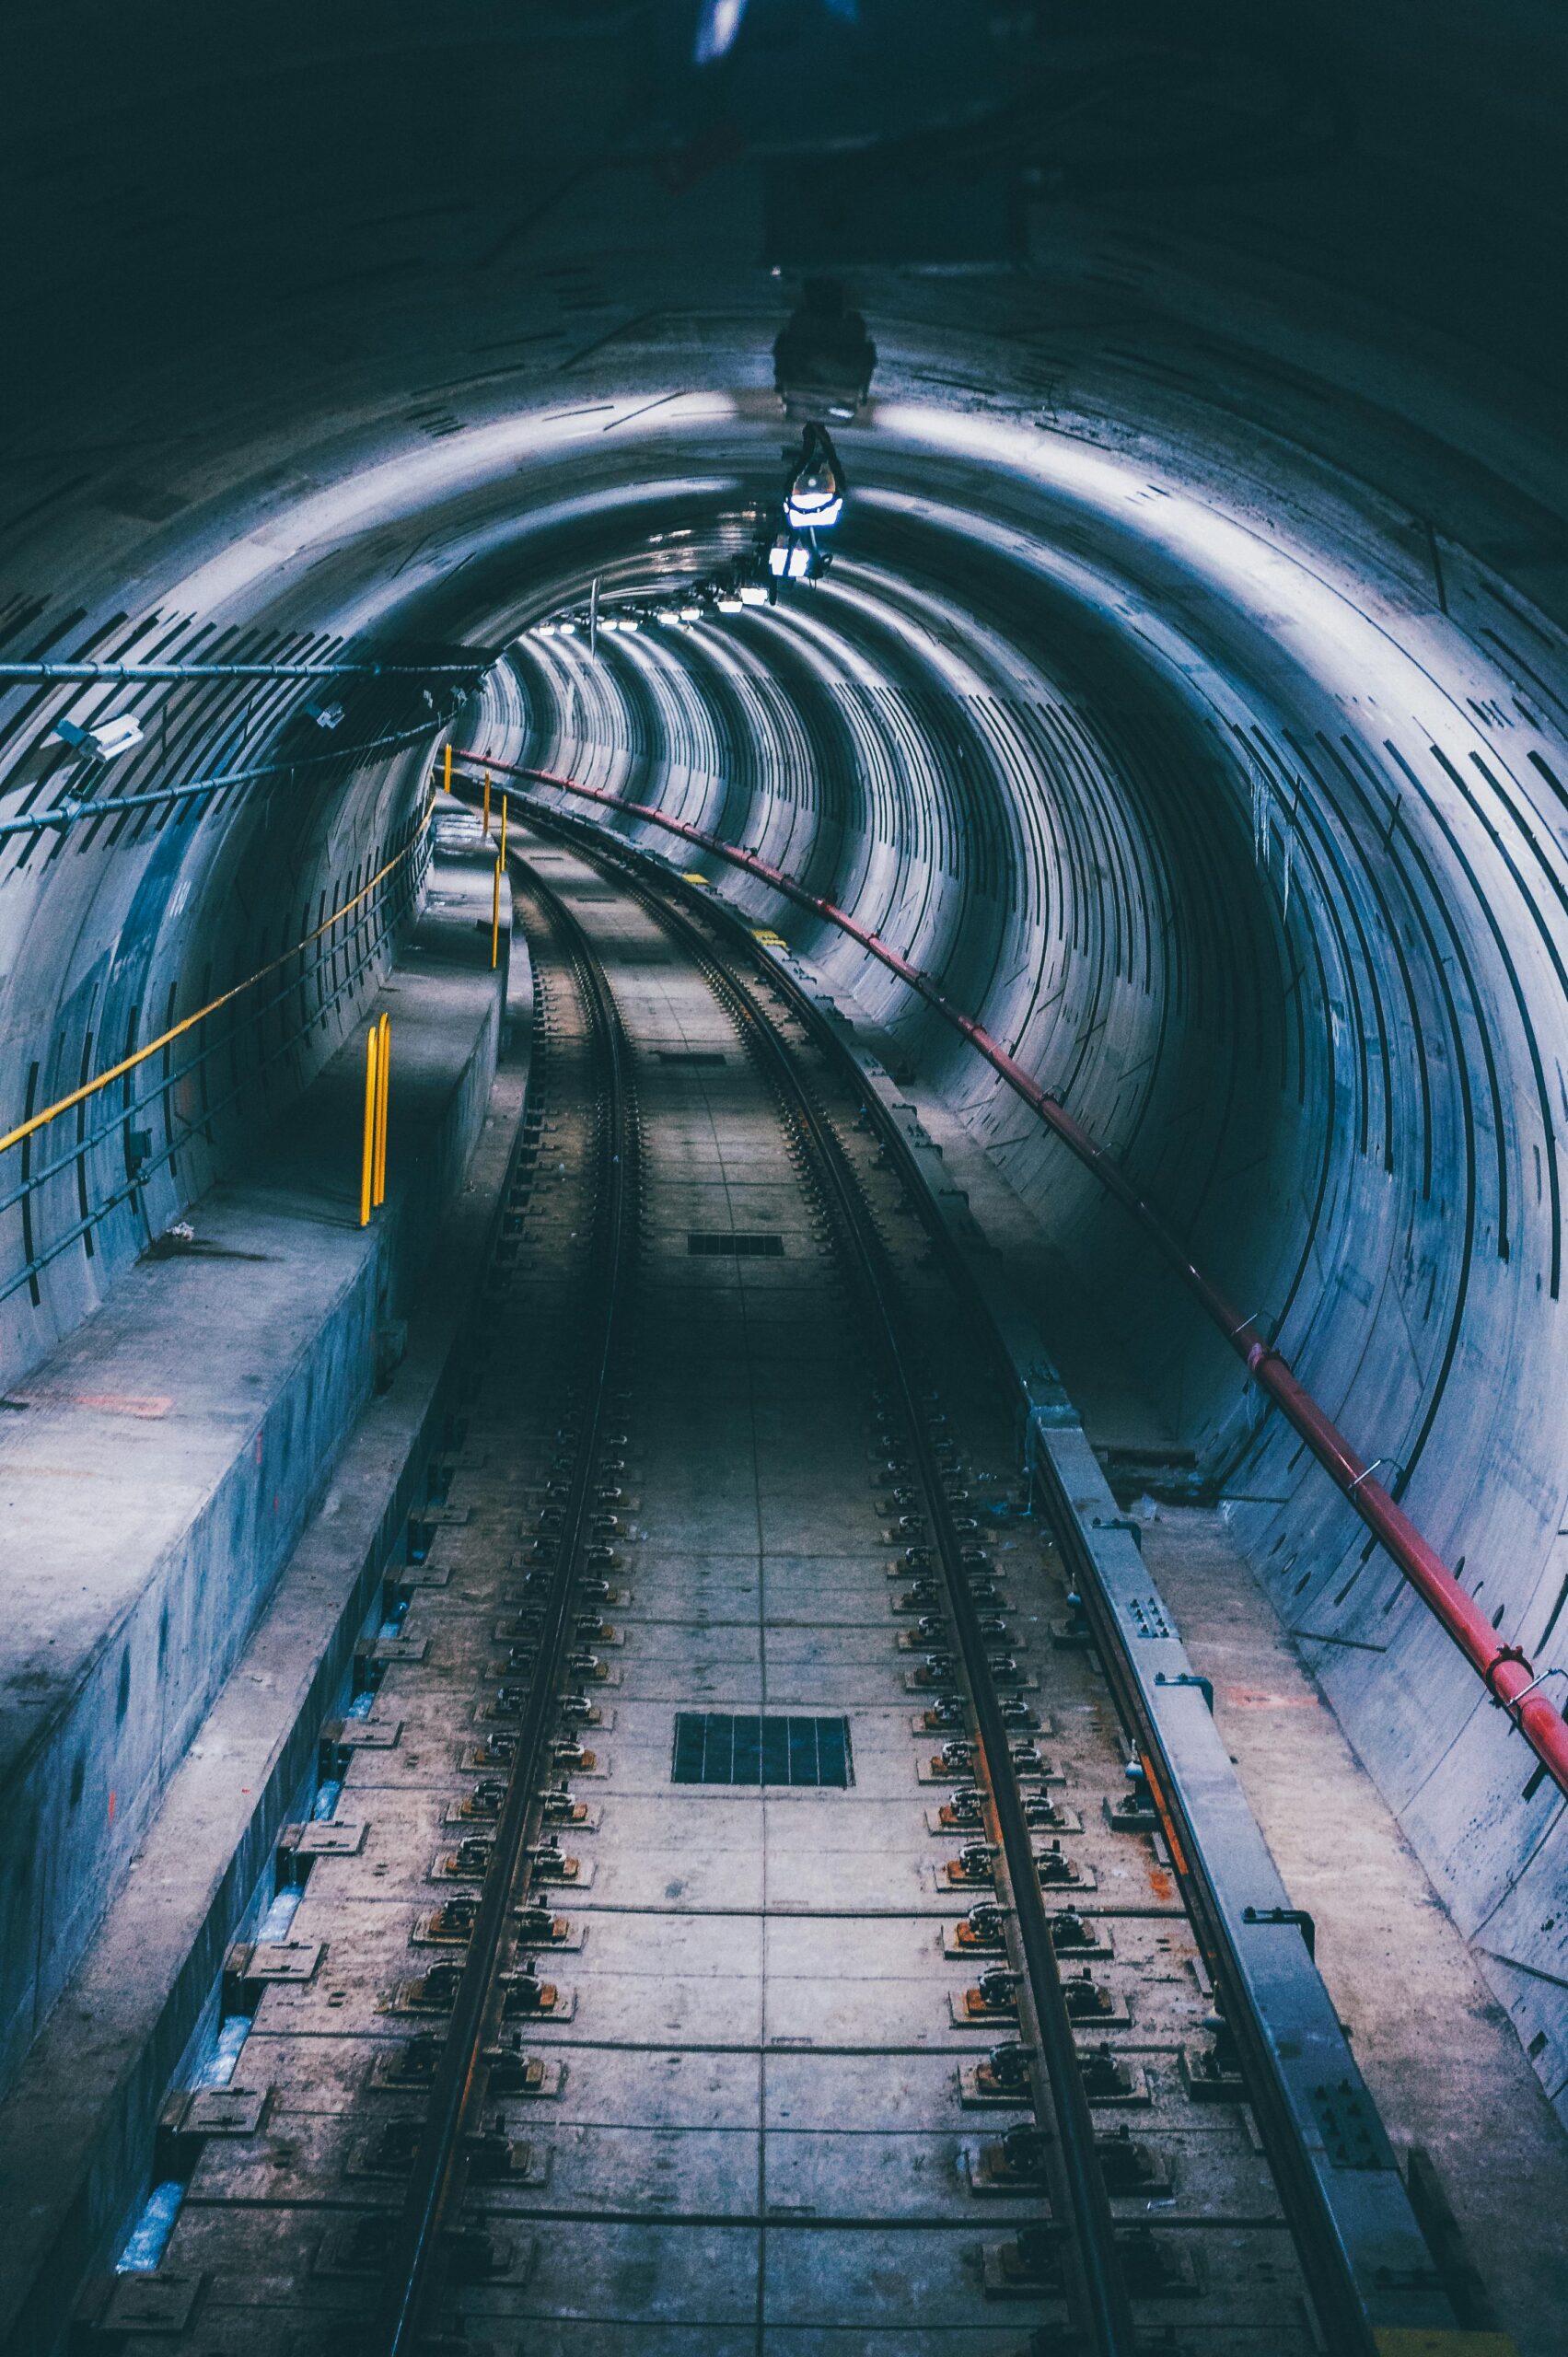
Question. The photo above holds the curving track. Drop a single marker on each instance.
(709, 2066)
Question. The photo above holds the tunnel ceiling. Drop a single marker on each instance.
(1187, 697)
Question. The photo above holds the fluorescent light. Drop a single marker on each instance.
(103, 739)
(812, 510)
(716, 28)
(753, 594)
(729, 604)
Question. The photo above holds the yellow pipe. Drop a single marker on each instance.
(384, 1066)
(487, 802)
(495, 918)
(503, 826)
(447, 781)
(155, 1046)
(372, 1099)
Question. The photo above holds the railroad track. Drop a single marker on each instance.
(726, 1919)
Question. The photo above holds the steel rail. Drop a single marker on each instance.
(399, 2327)
(1098, 2295)
(1336, 2294)
(1507, 1672)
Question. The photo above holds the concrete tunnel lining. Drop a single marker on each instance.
(1345, 1210)
(1354, 1111)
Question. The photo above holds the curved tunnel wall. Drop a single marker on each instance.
(1049, 729)
(118, 927)
(1283, 925)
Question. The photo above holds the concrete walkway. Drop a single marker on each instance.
(1439, 2053)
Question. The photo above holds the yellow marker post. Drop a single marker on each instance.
(383, 1038)
(447, 780)
(495, 918)
(372, 1107)
(502, 829)
(487, 802)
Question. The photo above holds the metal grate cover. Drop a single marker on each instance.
(711, 1747)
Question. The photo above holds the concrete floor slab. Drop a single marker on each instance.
(638, 1946)
(886, 2175)
(871, 2279)
(633, 2088)
(645, 2337)
(881, 2093)
(702, 1883)
(656, 2170)
(845, 1880)
(828, 2009)
(633, 2273)
(652, 2009)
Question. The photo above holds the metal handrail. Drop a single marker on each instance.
(369, 906)
(36, 1121)
(164, 1082)
(188, 1127)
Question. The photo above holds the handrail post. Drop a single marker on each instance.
(372, 1101)
(384, 1074)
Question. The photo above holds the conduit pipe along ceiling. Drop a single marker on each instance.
(1186, 699)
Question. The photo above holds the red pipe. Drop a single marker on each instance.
(1503, 1669)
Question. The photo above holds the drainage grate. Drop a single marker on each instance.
(711, 1246)
(710, 1748)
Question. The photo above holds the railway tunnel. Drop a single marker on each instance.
(934, 1284)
